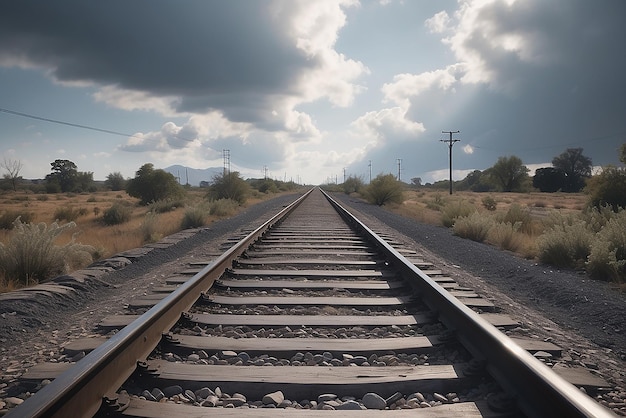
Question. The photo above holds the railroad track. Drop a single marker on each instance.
(311, 311)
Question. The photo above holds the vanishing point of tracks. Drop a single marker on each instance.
(309, 313)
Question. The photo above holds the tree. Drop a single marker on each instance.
(228, 186)
(84, 182)
(509, 173)
(622, 153)
(576, 166)
(12, 170)
(64, 174)
(608, 188)
(151, 185)
(115, 181)
(549, 179)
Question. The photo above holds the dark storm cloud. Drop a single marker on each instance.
(202, 50)
(561, 87)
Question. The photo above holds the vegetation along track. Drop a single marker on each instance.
(341, 319)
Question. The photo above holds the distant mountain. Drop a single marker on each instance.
(193, 176)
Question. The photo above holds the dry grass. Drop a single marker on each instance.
(90, 230)
(427, 206)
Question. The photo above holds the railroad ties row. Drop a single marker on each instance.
(312, 317)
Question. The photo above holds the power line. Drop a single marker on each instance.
(77, 125)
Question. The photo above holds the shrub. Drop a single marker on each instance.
(165, 205)
(608, 188)
(194, 217)
(223, 207)
(452, 211)
(566, 245)
(489, 203)
(474, 227)
(353, 184)
(506, 236)
(384, 189)
(9, 217)
(117, 214)
(518, 214)
(31, 256)
(65, 213)
(229, 186)
(149, 226)
(607, 258)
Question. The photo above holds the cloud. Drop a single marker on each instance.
(242, 60)
(438, 23)
(528, 78)
(379, 126)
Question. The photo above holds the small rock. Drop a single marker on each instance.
(149, 397)
(274, 398)
(210, 401)
(158, 394)
(13, 401)
(190, 394)
(439, 397)
(193, 357)
(350, 406)
(203, 393)
(172, 390)
(326, 397)
(373, 401)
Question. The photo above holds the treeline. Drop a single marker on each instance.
(149, 184)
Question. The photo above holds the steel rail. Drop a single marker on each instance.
(79, 392)
(537, 390)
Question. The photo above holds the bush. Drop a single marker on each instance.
(149, 227)
(31, 256)
(223, 207)
(608, 188)
(607, 258)
(165, 205)
(517, 214)
(229, 186)
(9, 217)
(489, 203)
(117, 214)
(506, 236)
(65, 213)
(384, 189)
(566, 245)
(353, 184)
(452, 211)
(474, 227)
(194, 217)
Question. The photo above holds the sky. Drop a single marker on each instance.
(310, 91)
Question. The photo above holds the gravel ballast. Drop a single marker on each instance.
(566, 307)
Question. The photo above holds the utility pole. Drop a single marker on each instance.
(450, 144)
(399, 167)
(344, 174)
(226, 156)
(370, 167)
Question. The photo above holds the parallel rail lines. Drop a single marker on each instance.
(313, 279)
